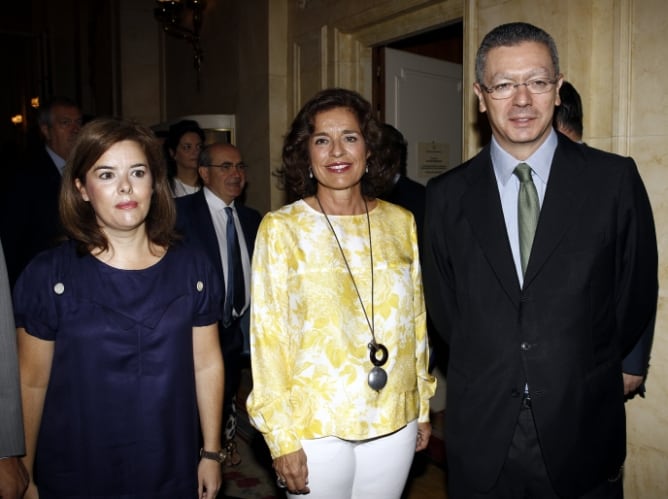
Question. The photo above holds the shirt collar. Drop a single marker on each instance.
(214, 201)
(57, 160)
(540, 161)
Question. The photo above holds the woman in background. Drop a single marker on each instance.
(117, 335)
(338, 337)
(183, 145)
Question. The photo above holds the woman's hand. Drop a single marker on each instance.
(209, 479)
(423, 434)
(292, 472)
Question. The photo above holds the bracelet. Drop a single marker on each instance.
(218, 456)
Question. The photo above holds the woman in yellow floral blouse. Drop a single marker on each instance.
(338, 327)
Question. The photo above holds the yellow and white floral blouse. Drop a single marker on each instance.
(309, 336)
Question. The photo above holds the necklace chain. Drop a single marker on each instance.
(352, 278)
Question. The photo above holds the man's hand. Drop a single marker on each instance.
(13, 478)
(631, 383)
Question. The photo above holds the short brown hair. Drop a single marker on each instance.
(78, 217)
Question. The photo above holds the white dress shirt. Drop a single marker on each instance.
(509, 186)
(217, 209)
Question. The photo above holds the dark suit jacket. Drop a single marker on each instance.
(29, 220)
(411, 195)
(195, 223)
(590, 289)
(637, 360)
(11, 421)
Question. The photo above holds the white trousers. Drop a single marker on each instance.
(366, 469)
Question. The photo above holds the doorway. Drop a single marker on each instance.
(445, 43)
(418, 89)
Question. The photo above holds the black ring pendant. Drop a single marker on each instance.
(374, 348)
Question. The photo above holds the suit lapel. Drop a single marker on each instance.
(205, 229)
(565, 194)
(482, 207)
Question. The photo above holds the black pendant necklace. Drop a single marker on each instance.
(378, 353)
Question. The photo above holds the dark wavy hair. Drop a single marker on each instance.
(293, 174)
(509, 35)
(176, 131)
(78, 217)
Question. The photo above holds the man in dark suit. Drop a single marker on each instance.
(568, 119)
(404, 191)
(13, 475)
(202, 218)
(537, 324)
(29, 221)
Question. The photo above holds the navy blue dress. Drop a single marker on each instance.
(120, 416)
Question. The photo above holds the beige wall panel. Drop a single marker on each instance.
(308, 69)
(278, 90)
(345, 31)
(649, 98)
(647, 133)
(252, 104)
(647, 419)
(592, 70)
(352, 15)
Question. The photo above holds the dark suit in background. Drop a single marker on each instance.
(411, 195)
(194, 221)
(224, 176)
(535, 399)
(29, 220)
(405, 191)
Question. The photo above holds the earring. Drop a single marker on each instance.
(310, 172)
(366, 170)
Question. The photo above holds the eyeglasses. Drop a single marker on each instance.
(227, 166)
(506, 90)
(67, 122)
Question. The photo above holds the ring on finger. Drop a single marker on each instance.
(280, 482)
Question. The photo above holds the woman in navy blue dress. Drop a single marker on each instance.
(118, 343)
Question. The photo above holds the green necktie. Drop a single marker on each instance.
(528, 210)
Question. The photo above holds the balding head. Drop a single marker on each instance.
(223, 171)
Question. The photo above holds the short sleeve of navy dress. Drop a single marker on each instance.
(120, 416)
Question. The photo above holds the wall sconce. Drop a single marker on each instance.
(182, 19)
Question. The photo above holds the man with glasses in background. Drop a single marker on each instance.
(225, 231)
(29, 221)
(540, 272)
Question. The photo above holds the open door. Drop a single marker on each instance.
(423, 100)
